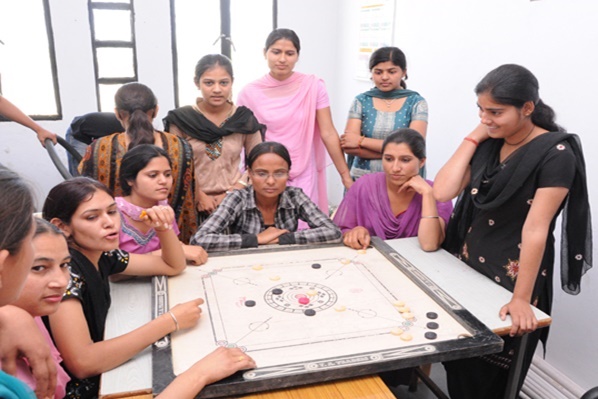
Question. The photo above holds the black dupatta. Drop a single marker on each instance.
(576, 239)
(196, 125)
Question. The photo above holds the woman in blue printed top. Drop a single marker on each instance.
(380, 111)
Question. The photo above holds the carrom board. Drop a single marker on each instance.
(309, 314)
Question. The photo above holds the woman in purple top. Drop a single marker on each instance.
(397, 203)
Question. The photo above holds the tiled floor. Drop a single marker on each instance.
(437, 375)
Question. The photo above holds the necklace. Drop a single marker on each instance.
(523, 139)
(388, 102)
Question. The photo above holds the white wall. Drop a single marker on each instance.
(19, 148)
(449, 46)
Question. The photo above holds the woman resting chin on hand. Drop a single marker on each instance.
(397, 203)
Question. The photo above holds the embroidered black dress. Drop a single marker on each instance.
(485, 232)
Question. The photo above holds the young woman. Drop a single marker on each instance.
(86, 212)
(396, 203)
(145, 180)
(266, 212)
(381, 110)
(19, 333)
(516, 171)
(41, 295)
(296, 110)
(217, 130)
(136, 108)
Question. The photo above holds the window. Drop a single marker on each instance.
(238, 26)
(113, 43)
(27, 59)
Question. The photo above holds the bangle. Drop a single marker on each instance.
(243, 183)
(176, 322)
(360, 141)
(475, 142)
(430, 217)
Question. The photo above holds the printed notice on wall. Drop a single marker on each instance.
(376, 29)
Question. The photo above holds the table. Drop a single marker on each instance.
(483, 298)
(368, 387)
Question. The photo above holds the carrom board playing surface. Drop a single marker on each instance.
(311, 314)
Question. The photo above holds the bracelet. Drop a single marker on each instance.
(360, 141)
(430, 217)
(176, 322)
(475, 142)
(243, 183)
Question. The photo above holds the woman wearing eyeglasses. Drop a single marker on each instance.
(268, 211)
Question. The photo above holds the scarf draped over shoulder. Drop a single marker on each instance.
(277, 104)
(196, 125)
(397, 93)
(576, 240)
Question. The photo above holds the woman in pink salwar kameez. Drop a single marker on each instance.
(296, 111)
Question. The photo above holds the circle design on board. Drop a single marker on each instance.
(288, 300)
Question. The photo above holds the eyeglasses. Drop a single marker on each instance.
(261, 175)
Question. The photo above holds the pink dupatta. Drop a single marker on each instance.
(288, 109)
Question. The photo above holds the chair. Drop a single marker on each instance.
(591, 394)
(86, 128)
(56, 159)
(81, 132)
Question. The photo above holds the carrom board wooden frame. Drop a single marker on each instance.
(481, 340)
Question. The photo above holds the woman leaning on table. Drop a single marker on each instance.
(396, 203)
(376, 113)
(86, 212)
(515, 172)
(268, 211)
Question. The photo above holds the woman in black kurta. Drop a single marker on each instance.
(86, 212)
(516, 171)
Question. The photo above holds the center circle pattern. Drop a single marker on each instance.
(320, 297)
